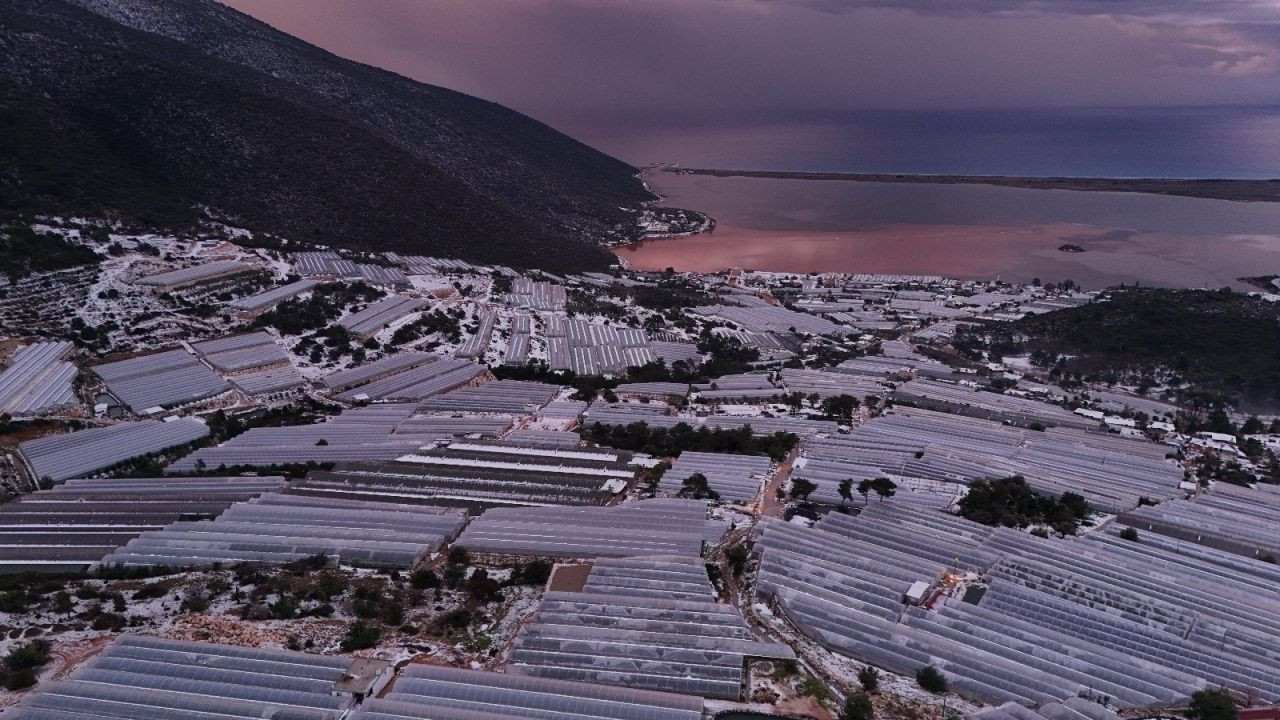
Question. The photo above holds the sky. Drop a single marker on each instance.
(606, 69)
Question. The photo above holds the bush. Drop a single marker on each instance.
(1211, 705)
(108, 621)
(929, 679)
(424, 579)
(535, 572)
(459, 556)
(456, 619)
(481, 587)
(858, 707)
(27, 657)
(1129, 534)
(361, 636)
(150, 592)
(736, 555)
(869, 679)
(19, 679)
(810, 687)
(14, 601)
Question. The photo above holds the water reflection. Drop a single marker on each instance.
(965, 231)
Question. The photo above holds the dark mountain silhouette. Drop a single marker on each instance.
(164, 112)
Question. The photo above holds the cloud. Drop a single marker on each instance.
(1190, 11)
(601, 68)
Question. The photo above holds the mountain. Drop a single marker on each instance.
(165, 111)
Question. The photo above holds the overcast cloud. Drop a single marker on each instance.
(583, 65)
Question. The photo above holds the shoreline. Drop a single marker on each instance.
(1232, 190)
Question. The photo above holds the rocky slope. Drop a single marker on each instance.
(165, 111)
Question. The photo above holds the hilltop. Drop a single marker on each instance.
(1209, 341)
(167, 114)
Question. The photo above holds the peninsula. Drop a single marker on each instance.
(1237, 190)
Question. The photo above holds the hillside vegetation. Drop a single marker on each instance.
(24, 251)
(164, 113)
(1209, 342)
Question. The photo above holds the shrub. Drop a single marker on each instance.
(195, 603)
(14, 601)
(869, 679)
(361, 636)
(810, 687)
(737, 556)
(929, 679)
(108, 621)
(1211, 705)
(424, 579)
(481, 587)
(858, 707)
(457, 619)
(534, 572)
(26, 657)
(19, 679)
(152, 591)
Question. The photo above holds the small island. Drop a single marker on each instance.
(1070, 248)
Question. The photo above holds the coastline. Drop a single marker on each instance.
(1233, 190)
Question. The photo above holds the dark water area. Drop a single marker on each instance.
(967, 231)
(1235, 142)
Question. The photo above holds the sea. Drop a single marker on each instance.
(974, 231)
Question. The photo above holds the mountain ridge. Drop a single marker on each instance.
(151, 108)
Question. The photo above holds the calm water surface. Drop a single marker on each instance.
(1238, 142)
(967, 231)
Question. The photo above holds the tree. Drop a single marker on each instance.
(1211, 705)
(869, 678)
(696, 486)
(929, 679)
(535, 572)
(884, 487)
(846, 490)
(858, 707)
(840, 406)
(864, 489)
(1010, 502)
(801, 489)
